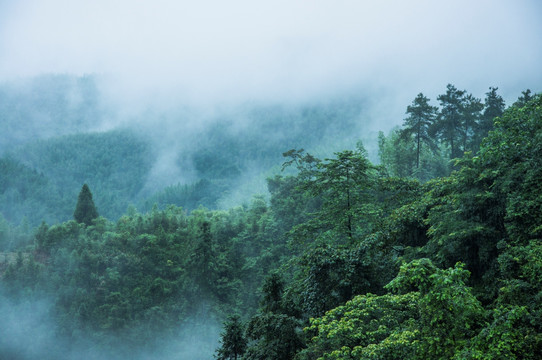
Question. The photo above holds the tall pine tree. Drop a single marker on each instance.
(85, 210)
(472, 108)
(233, 342)
(448, 126)
(493, 107)
(421, 117)
(525, 97)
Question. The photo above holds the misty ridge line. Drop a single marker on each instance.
(229, 150)
(178, 146)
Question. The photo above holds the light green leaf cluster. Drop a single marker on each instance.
(431, 314)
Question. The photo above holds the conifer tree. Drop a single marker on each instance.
(471, 113)
(525, 97)
(493, 107)
(233, 340)
(85, 210)
(450, 121)
(421, 118)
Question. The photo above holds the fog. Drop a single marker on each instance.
(29, 331)
(212, 52)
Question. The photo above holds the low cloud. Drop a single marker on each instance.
(211, 51)
(29, 332)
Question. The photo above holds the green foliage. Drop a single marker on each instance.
(473, 216)
(431, 316)
(344, 186)
(474, 128)
(233, 343)
(367, 327)
(459, 126)
(406, 209)
(24, 193)
(493, 108)
(49, 127)
(493, 197)
(398, 157)
(510, 335)
(190, 196)
(514, 332)
(40, 180)
(113, 163)
(449, 124)
(417, 124)
(273, 336)
(330, 276)
(14, 237)
(22, 277)
(273, 333)
(146, 276)
(512, 161)
(345, 182)
(317, 256)
(290, 203)
(85, 210)
(522, 100)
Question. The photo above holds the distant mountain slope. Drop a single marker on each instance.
(47, 106)
(50, 173)
(183, 156)
(26, 193)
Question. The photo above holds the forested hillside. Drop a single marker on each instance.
(435, 253)
(59, 132)
(40, 180)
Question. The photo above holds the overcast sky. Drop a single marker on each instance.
(243, 50)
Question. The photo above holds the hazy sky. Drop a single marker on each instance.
(239, 50)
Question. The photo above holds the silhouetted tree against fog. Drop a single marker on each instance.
(449, 122)
(493, 107)
(525, 97)
(85, 210)
(421, 117)
(472, 108)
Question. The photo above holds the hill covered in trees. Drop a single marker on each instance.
(71, 135)
(433, 254)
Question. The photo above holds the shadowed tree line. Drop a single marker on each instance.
(433, 135)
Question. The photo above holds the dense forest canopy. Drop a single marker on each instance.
(428, 249)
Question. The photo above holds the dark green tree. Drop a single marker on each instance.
(274, 333)
(397, 156)
(472, 108)
(449, 122)
(430, 313)
(85, 210)
(272, 289)
(493, 107)
(329, 276)
(346, 180)
(233, 342)
(421, 117)
(203, 260)
(525, 97)
(344, 186)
